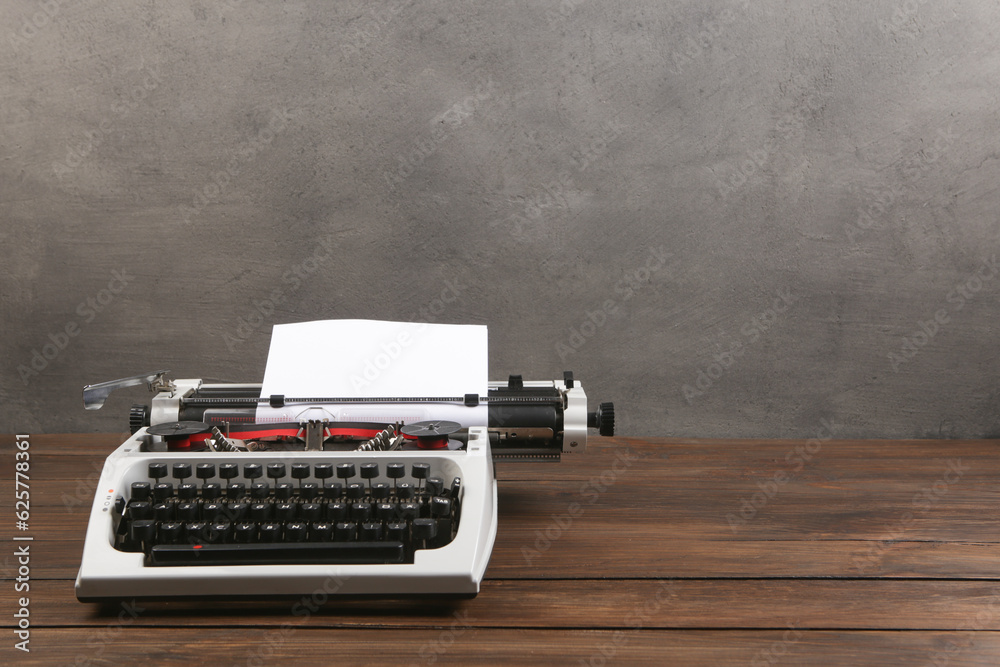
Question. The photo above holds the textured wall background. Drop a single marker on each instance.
(733, 218)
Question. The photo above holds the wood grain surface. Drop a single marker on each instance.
(639, 551)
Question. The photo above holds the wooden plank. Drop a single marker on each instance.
(581, 604)
(452, 643)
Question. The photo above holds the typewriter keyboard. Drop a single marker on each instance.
(280, 512)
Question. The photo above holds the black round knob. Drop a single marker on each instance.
(345, 470)
(301, 471)
(395, 470)
(323, 470)
(140, 510)
(162, 491)
(187, 491)
(260, 490)
(244, 532)
(380, 491)
(361, 512)
(321, 531)
(138, 416)
(310, 511)
(295, 532)
(421, 470)
(205, 471)
(270, 532)
(440, 506)
(345, 531)
(261, 512)
(355, 491)
(603, 419)
(252, 470)
(143, 531)
(275, 470)
(228, 470)
(169, 532)
(435, 485)
(211, 491)
(182, 470)
(309, 491)
(369, 470)
(157, 470)
(283, 491)
(370, 532)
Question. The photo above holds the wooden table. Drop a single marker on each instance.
(640, 551)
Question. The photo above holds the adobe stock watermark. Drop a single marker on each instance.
(882, 198)
(903, 19)
(37, 21)
(956, 645)
(708, 33)
(291, 281)
(636, 620)
(958, 298)
(778, 649)
(921, 503)
(210, 192)
(431, 651)
(796, 458)
(389, 352)
(554, 194)
(135, 94)
(590, 492)
(99, 640)
(87, 310)
(752, 332)
(442, 127)
(302, 609)
(631, 282)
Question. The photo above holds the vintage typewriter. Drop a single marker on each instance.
(205, 500)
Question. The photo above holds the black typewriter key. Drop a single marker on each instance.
(237, 511)
(300, 471)
(309, 491)
(235, 491)
(142, 531)
(355, 491)
(396, 530)
(380, 491)
(424, 529)
(260, 490)
(435, 486)
(212, 511)
(204, 471)
(261, 512)
(275, 470)
(163, 512)
(194, 531)
(295, 531)
(345, 470)
(140, 509)
(252, 470)
(168, 532)
(370, 532)
(385, 511)
(345, 531)
(181, 471)
(440, 507)
(321, 531)
(157, 470)
(245, 533)
(361, 512)
(141, 491)
(162, 491)
(284, 511)
(310, 511)
(409, 511)
(283, 491)
(333, 490)
(369, 471)
(187, 511)
(395, 471)
(456, 488)
(218, 532)
(405, 491)
(270, 532)
(187, 491)
(228, 471)
(322, 470)
(211, 491)
(421, 471)
(337, 511)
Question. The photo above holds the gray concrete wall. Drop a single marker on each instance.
(733, 218)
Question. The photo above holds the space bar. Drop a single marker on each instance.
(278, 553)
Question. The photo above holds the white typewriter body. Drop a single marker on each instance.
(455, 569)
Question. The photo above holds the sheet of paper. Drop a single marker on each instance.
(376, 359)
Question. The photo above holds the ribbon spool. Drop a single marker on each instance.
(431, 434)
